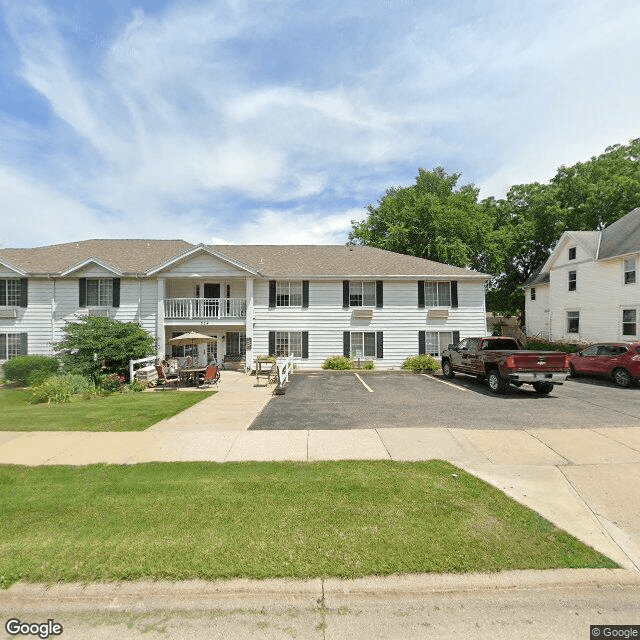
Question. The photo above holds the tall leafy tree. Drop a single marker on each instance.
(434, 219)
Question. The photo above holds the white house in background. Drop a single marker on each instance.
(589, 288)
(313, 301)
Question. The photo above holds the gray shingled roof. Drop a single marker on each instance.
(621, 237)
(588, 239)
(536, 278)
(336, 260)
(139, 256)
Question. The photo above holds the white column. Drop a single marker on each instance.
(249, 320)
(160, 320)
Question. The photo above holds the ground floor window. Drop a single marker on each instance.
(573, 322)
(437, 341)
(629, 322)
(9, 345)
(288, 342)
(363, 344)
(179, 351)
(236, 343)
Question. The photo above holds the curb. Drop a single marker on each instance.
(199, 594)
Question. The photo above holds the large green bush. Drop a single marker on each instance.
(61, 388)
(546, 345)
(94, 346)
(421, 363)
(337, 362)
(21, 368)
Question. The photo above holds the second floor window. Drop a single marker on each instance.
(572, 253)
(573, 280)
(362, 294)
(630, 271)
(288, 293)
(533, 293)
(10, 292)
(99, 292)
(437, 294)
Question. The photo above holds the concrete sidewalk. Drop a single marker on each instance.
(586, 481)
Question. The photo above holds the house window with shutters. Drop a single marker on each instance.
(362, 293)
(288, 293)
(437, 294)
(288, 342)
(11, 345)
(99, 292)
(363, 344)
(10, 292)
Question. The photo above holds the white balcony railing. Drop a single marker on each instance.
(188, 308)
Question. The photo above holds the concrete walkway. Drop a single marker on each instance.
(586, 481)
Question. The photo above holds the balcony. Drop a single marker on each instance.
(200, 308)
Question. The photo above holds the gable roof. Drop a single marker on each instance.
(621, 237)
(275, 261)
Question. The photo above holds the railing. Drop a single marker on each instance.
(187, 308)
(285, 367)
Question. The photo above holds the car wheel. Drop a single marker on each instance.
(622, 377)
(543, 388)
(572, 372)
(447, 370)
(495, 381)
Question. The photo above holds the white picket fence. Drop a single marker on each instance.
(285, 367)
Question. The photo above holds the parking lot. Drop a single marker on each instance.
(345, 400)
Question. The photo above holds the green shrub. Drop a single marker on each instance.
(537, 344)
(421, 363)
(136, 386)
(38, 376)
(337, 362)
(112, 383)
(368, 365)
(18, 369)
(61, 388)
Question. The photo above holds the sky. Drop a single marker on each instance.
(278, 122)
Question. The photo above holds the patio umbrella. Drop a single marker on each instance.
(191, 337)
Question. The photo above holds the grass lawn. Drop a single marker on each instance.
(116, 412)
(202, 520)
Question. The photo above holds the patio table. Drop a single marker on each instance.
(191, 374)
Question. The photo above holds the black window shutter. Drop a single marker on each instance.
(379, 294)
(24, 292)
(272, 343)
(272, 294)
(305, 294)
(420, 294)
(3, 292)
(345, 294)
(422, 343)
(456, 337)
(305, 345)
(116, 292)
(83, 292)
(379, 341)
(24, 344)
(454, 294)
(346, 344)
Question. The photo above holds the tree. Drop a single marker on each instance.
(431, 219)
(92, 341)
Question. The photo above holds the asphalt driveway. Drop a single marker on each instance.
(327, 400)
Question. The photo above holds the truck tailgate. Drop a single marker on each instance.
(539, 361)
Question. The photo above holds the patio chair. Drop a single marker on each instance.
(166, 380)
(211, 375)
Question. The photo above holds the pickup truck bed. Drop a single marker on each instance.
(502, 362)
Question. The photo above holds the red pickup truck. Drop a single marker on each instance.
(502, 362)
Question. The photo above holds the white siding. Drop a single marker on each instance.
(400, 319)
(537, 311)
(204, 264)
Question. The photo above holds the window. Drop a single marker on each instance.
(288, 342)
(572, 253)
(437, 341)
(533, 293)
(629, 322)
(630, 271)
(437, 294)
(363, 344)
(288, 294)
(362, 294)
(10, 292)
(573, 321)
(573, 280)
(9, 345)
(99, 292)
(179, 351)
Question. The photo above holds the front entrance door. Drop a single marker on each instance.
(211, 303)
(236, 345)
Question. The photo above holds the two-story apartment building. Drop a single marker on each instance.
(312, 301)
(588, 290)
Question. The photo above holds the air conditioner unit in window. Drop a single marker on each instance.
(363, 313)
(101, 312)
(438, 313)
